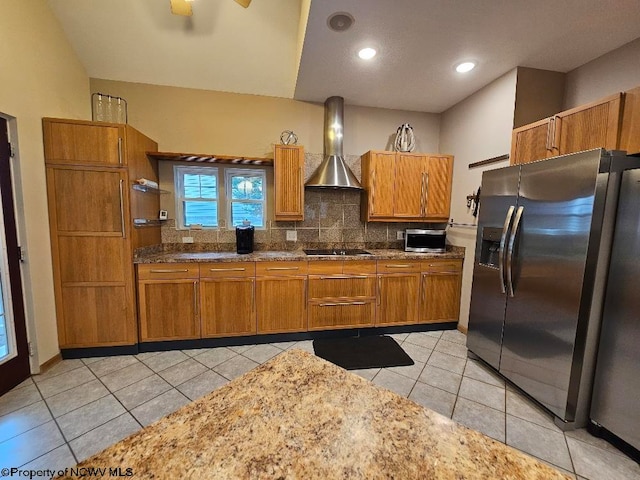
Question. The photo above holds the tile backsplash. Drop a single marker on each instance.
(331, 219)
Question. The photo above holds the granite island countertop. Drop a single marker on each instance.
(294, 255)
(300, 417)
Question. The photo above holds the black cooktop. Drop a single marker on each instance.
(336, 251)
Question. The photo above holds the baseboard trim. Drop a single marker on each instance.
(50, 363)
(87, 352)
(462, 328)
(249, 339)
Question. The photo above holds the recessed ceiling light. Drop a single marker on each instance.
(465, 67)
(340, 21)
(367, 53)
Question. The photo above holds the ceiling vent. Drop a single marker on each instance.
(340, 21)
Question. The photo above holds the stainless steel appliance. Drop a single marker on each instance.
(542, 251)
(425, 241)
(617, 384)
(333, 172)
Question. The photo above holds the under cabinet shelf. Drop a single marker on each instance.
(148, 189)
(210, 158)
(147, 222)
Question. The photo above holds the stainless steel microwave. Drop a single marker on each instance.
(425, 241)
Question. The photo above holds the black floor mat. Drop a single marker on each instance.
(353, 353)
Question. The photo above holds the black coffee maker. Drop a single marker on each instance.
(244, 237)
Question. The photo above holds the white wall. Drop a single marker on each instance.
(613, 72)
(40, 76)
(475, 129)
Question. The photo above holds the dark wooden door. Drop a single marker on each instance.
(14, 348)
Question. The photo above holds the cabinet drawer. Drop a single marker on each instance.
(356, 267)
(164, 271)
(359, 266)
(435, 266)
(281, 268)
(341, 286)
(328, 267)
(227, 269)
(398, 266)
(346, 314)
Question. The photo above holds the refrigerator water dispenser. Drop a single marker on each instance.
(490, 249)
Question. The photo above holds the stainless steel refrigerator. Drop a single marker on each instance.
(617, 383)
(542, 252)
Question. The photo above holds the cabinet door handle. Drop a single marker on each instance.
(299, 183)
(306, 293)
(373, 191)
(253, 295)
(122, 223)
(422, 195)
(547, 145)
(195, 298)
(341, 304)
(556, 120)
(379, 288)
(120, 150)
(239, 269)
(283, 268)
(398, 265)
(424, 279)
(169, 270)
(426, 193)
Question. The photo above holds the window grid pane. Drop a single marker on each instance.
(247, 187)
(252, 211)
(200, 186)
(203, 213)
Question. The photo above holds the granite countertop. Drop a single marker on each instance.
(262, 256)
(300, 417)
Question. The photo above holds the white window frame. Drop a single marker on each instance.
(253, 172)
(179, 172)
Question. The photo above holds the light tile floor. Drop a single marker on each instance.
(79, 407)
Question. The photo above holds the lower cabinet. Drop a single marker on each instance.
(227, 299)
(398, 288)
(342, 294)
(281, 297)
(202, 300)
(168, 302)
(440, 291)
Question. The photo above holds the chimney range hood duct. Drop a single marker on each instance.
(333, 172)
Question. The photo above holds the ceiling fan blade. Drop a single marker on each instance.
(244, 3)
(181, 7)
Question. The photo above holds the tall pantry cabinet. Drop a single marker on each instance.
(91, 168)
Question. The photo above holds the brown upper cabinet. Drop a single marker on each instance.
(630, 129)
(84, 143)
(90, 168)
(595, 125)
(288, 173)
(406, 187)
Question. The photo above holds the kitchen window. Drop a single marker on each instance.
(201, 198)
(196, 196)
(246, 196)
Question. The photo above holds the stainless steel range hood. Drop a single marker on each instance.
(333, 172)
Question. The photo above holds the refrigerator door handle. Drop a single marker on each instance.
(503, 242)
(512, 241)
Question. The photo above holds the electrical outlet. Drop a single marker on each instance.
(187, 239)
(292, 236)
(400, 235)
